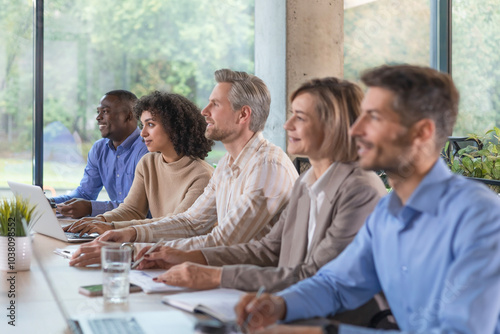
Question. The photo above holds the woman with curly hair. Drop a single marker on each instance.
(169, 178)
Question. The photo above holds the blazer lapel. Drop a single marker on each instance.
(298, 247)
(339, 174)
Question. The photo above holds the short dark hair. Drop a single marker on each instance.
(126, 98)
(181, 119)
(123, 95)
(420, 92)
(338, 104)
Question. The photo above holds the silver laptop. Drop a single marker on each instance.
(46, 222)
(168, 321)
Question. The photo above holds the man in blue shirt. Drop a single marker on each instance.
(111, 161)
(432, 245)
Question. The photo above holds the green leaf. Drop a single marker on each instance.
(497, 131)
(488, 167)
(484, 152)
(467, 162)
(496, 173)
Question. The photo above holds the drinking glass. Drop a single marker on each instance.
(115, 270)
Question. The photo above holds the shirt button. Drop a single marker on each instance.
(117, 175)
(404, 269)
(117, 156)
(120, 193)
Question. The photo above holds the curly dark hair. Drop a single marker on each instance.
(181, 119)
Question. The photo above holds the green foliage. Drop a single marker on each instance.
(476, 64)
(482, 163)
(391, 31)
(93, 46)
(385, 32)
(12, 211)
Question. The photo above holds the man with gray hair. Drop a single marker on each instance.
(248, 190)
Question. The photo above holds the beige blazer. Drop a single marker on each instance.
(281, 258)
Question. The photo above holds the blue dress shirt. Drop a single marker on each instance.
(109, 167)
(437, 259)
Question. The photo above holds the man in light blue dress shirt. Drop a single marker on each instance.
(432, 245)
(111, 160)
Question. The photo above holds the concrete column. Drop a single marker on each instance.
(315, 40)
(295, 40)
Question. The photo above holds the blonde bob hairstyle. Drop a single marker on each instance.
(338, 104)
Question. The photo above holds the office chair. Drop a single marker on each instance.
(455, 144)
(301, 164)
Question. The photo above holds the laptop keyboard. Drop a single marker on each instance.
(115, 325)
(71, 235)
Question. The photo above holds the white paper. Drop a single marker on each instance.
(144, 279)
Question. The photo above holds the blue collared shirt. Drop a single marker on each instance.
(437, 259)
(109, 167)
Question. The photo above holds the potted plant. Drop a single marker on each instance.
(481, 161)
(15, 248)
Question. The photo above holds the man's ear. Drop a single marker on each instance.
(245, 114)
(424, 131)
(130, 117)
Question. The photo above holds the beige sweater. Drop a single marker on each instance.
(163, 188)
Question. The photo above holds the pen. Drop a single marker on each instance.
(249, 317)
(136, 263)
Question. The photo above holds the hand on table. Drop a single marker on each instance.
(262, 311)
(87, 254)
(165, 257)
(90, 253)
(75, 208)
(192, 275)
(89, 225)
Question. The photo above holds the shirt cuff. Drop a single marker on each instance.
(144, 234)
(227, 278)
(292, 300)
(123, 224)
(98, 208)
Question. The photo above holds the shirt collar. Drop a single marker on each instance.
(426, 197)
(316, 186)
(247, 153)
(128, 142)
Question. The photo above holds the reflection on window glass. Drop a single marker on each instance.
(378, 32)
(94, 46)
(476, 64)
(16, 93)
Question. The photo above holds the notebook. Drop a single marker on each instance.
(46, 222)
(144, 279)
(217, 303)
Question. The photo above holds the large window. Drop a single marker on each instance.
(94, 46)
(380, 32)
(389, 31)
(16, 92)
(476, 64)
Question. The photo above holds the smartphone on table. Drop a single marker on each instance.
(96, 289)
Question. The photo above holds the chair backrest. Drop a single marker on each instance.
(301, 164)
(458, 143)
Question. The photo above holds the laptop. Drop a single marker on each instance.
(46, 222)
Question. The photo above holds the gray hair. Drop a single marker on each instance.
(247, 90)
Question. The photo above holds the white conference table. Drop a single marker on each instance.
(36, 309)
